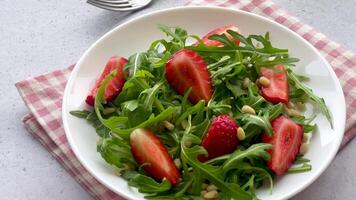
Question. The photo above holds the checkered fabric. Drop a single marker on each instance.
(43, 94)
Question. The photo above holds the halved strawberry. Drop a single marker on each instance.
(286, 140)
(221, 137)
(149, 152)
(219, 31)
(277, 90)
(186, 69)
(114, 87)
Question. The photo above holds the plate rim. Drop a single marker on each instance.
(178, 8)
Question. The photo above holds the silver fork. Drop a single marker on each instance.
(119, 5)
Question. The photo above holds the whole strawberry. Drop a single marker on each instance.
(221, 137)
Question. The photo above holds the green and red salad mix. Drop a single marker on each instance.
(211, 120)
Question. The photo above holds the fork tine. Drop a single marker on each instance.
(114, 1)
(111, 6)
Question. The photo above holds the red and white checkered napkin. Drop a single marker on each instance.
(43, 94)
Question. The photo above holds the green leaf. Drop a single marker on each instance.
(92, 119)
(223, 39)
(115, 152)
(212, 173)
(178, 35)
(125, 133)
(301, 160)
(146, 184)
(236, 89)
(148, 96)
(115, 127)
(260, 121)
(304, 168)
(220, 107)
(194, 109)
(294, 80)
(80, 113)
(275, 111)
(130, 105)
(256, 150)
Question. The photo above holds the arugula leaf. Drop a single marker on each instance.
(223, 39)
(256, 150)
(294, 80)
(92, 119)
(301, 160)
(179, 36)
(307, 125)
(115, 152)
(148, 96)
(260, 121)
(212, 173)
(194, 109)
(80, 113)
(304, 168)
(114, 123)
(146, 184)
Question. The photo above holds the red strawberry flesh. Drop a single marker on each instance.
(219, 31)
(115, 85)
(221, 138)
(286, 140)
(150, 153)
(186, 69)
(277, 90)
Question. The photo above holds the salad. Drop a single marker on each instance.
(215, 119)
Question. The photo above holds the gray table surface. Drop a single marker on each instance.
(38, 36)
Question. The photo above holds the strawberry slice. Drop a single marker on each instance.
(220, 31)
(151, 154)
(221, 137)
(286, 140)
(114, 87)
(277, 90)
(186, 69)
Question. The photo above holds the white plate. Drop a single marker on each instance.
(137, 34)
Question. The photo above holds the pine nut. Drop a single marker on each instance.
(241, 133)
(246, 82)
(248, 109)
(168, 125)
(211, 195)
(293, 113)
(177, 163)
(108, 110)
(265, 82)
(290, 105)
(290, 112)
(211, 187)
(300, 106)
(258, 83)
(304, 148)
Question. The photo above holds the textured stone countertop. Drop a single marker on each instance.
(38, 36)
